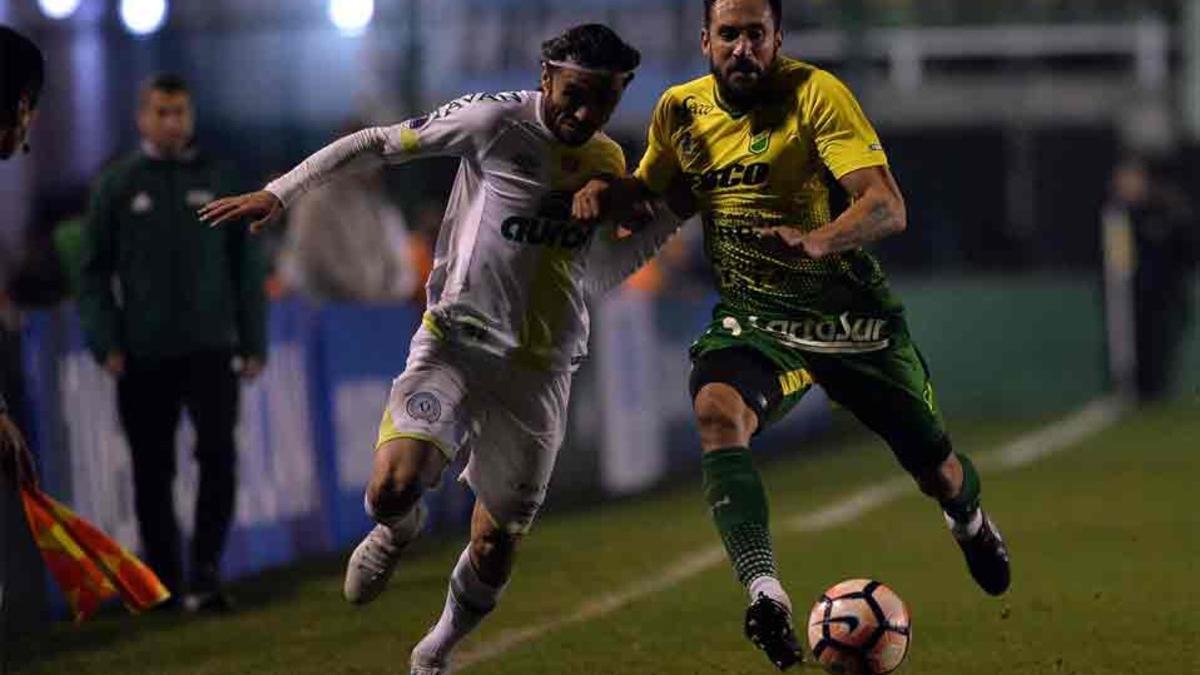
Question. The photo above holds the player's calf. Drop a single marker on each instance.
(955, 484)
(404, 468)
(738, 503)
(478, 580)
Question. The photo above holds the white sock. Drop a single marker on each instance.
(468, 601)
(965, 531)
(770, 586)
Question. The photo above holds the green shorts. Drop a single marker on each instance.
(868, 365)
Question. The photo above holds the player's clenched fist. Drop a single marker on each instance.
(591, 201)
(262, 207)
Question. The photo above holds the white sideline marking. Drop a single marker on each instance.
(1057, 436)
(1023, 450)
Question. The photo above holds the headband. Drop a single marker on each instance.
(570, 65)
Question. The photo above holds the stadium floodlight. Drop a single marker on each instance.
(58, 9)
(351, 16)
(143, 17)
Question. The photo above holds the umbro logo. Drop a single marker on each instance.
(850, 621)
(723, 501)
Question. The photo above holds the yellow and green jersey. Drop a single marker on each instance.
(777, 164)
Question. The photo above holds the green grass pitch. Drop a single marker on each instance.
(1105, 538)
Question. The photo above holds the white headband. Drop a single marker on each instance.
(585, 69)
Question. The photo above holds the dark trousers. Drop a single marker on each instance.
(151, 396)
(1161, 313)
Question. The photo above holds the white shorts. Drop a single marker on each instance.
(510, 419)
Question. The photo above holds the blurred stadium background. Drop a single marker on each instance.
(1005, 122)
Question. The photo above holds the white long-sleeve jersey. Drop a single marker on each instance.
(512, 272)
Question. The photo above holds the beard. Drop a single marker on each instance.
(574, 136)
(743, 83)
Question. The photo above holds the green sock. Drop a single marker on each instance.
(735, 495)
(962, 508)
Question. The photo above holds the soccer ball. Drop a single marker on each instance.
(859, 627)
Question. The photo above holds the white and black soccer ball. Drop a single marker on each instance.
(859, 627)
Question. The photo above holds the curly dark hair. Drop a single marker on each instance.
(592, 45)
(24, 72)
(776, 11)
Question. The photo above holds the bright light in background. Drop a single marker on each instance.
(351, 16)
(58, 9)
(142, 17)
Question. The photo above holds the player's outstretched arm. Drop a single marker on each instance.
(366, 147)
(458, 129)
(877, 212)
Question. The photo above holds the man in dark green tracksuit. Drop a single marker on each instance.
(174, 310)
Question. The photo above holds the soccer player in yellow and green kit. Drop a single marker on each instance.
(791, 181)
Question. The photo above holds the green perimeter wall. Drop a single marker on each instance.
(1023, 345)
(1005, 346)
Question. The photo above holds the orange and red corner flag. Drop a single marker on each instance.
(89, 566)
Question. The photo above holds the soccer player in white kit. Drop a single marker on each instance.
(489, 371)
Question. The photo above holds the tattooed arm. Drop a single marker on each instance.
(876, 212)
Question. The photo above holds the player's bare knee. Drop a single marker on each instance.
(723, 417)
(403, 470)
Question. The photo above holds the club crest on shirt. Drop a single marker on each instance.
(760, 142)
(424, 406)
(142, 203)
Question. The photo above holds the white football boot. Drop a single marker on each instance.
(375, 558)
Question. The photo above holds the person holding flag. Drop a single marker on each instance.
(87, 564)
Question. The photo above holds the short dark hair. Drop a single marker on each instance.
(167, 83)
(776, 11)
(592, 45)
(23, 74)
